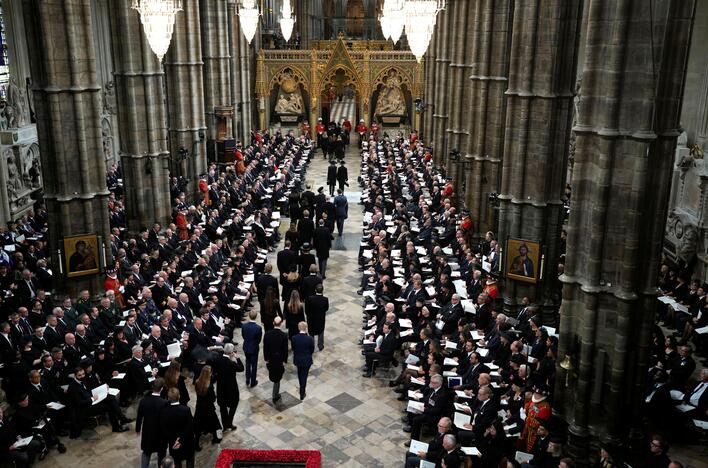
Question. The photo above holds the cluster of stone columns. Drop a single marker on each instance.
(161, 111)
(500, 89)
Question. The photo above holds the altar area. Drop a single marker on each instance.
(294, 86)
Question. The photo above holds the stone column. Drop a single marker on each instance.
(142, 118)
(628, 120)
(241, 82)
(67, 100)
(217, 57)
(538, 119)
(441, 65)
(185, 96)
(487, 57)
(459, 44)
(426, 131)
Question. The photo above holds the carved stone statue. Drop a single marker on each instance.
(17, 102)
(689, 244)
(109, 98)
(289, 98)
(107, 134)
(391, 100)
(14, 178)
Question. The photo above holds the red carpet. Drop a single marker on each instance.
(269, 458)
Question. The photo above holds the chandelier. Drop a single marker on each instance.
(158, 18)
(248, 18)
(287, 21)
(393, 14)
(420, 23)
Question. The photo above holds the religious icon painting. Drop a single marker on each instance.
(81, 255)
(522, 260)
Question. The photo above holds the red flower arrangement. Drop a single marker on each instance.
(311, 458)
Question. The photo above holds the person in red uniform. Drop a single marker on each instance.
(112, 283)
(182, 226)
(347, 128)
(361, 130)
(320, 129)
(414, 137)
(538, 411)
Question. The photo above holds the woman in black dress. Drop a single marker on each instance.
(205, 418)
(294, 313)
(271, 308)
(292, 235)
(291, 282)
(175, 379)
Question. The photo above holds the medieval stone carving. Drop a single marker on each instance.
(15, 111)
(289, 98)
(107, 136)
(689, 243)
(109, 98)
(391, 100)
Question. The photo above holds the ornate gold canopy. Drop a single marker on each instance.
(364, 64)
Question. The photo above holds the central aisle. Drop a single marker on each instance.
(353, 421)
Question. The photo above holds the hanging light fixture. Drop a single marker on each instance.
(158, 18)
(395, 15)
(420, 23)
(248, 18)
(287, 22)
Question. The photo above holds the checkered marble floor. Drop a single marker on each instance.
(353, 421)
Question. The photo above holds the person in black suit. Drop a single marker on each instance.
(303, 347)
(309, 283)
(316, 307)
(81, 404)
(147, 424)
(451, 457)
(331, 176)
(483, 416)
(177, 427)
(435, 447)
(21, 457)
(27, 288)
(285, 260)
(226, 366)
(322, 240)
(138, 375)
(275, 354)
(252, 334)
(437, 402)
(305, 228)
(342, 176)
(265, 281)
(384, 349)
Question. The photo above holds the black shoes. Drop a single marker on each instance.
(61, 448)
(120, 429)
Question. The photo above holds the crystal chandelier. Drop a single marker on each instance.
(395, 16)
(287, 21)
(248, 18)
(158, 18)
(420, 23)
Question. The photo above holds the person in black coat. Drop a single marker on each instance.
(316, 307)
(305, 260)
(305, 228)
(332, 176)
(309, 283)
(322, 241)
(483, 416)
(303, 347)
(342, 176)
(275, 354)
(22, 457)
(225, 367)
(81, 403)
(436, 401)
(383, 351)
(205, 418)
(147, 424)
(264, 281)
(177, 427)
(286, 259)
